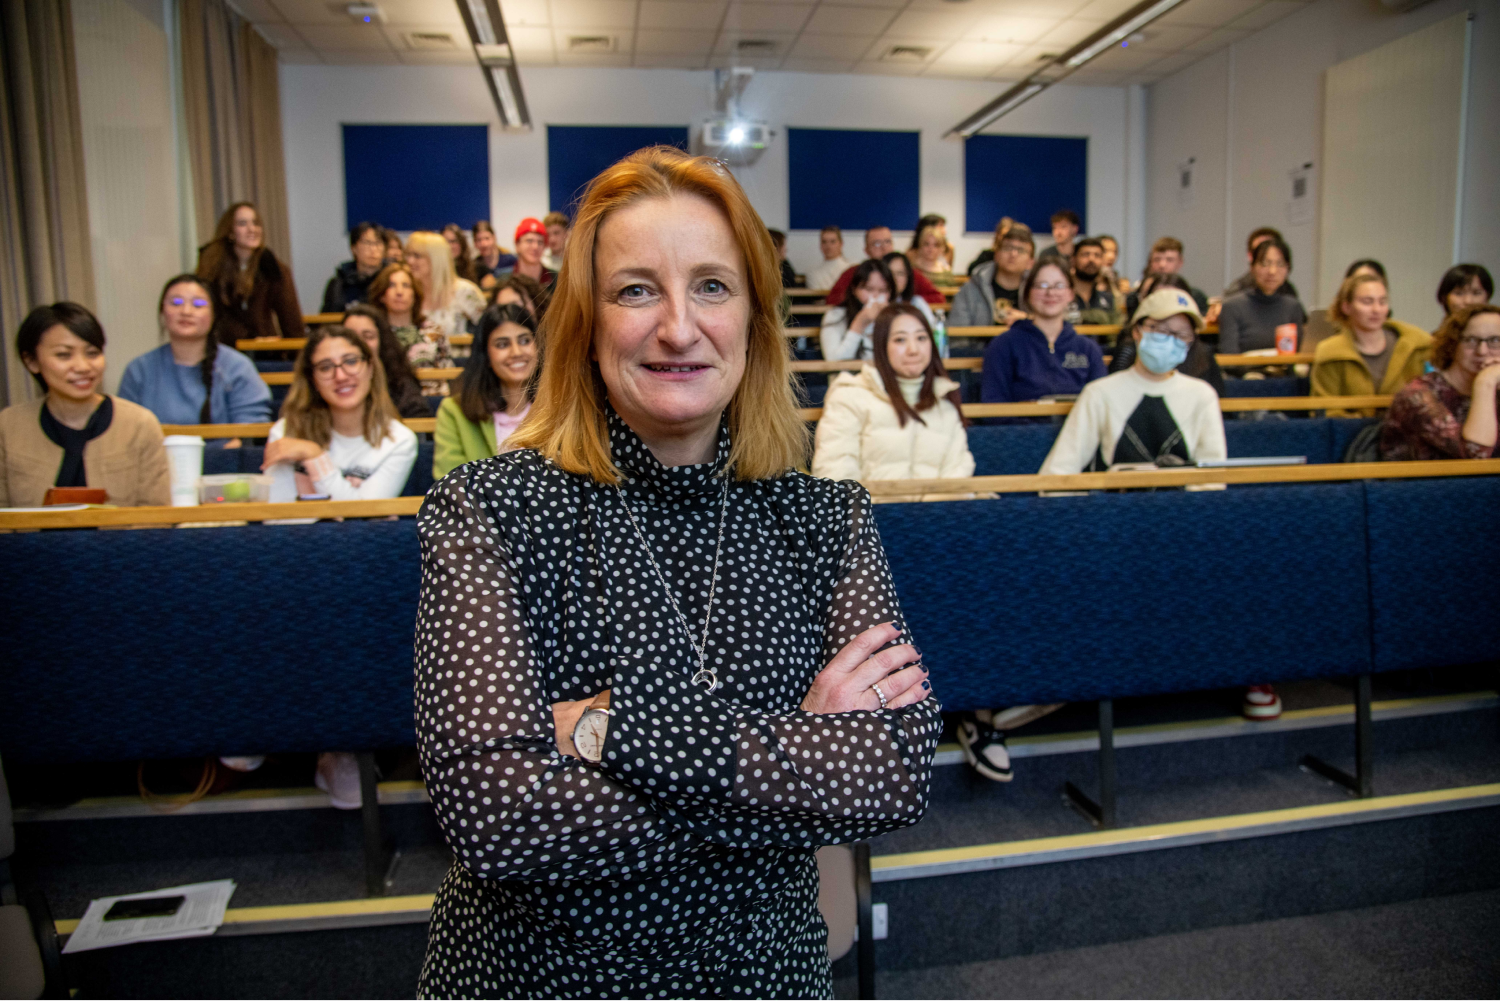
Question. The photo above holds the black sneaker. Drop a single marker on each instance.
(985, 751)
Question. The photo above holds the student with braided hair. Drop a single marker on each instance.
(193, 379)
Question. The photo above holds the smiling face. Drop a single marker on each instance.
(72, 368)
(455, 245)
(557, 238)
(340, 374)
(530, 246)
(672, 327)
(366, 329)
(1472, 294)
(484, 242)
(909, 347)
(247, 229)
(187, 313)
(399, 296)
(1111, 251)
(512, 354)
(1052, 293)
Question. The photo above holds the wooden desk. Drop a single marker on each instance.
(1225, 406)
(430, 374)
(421, 425)
(297, 343)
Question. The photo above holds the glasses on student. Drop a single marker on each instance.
(1475, 343)
(196, 300)
(368, 242)
(349, 363)
(1051, 286)
(1152, 328)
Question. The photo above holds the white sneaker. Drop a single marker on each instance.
(243, 763)
(985, 750)
(1261, 703)
(338, 776)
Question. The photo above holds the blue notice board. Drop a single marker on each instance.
(1025, 177)
(416, 176)
(853, 178)
(576, 154)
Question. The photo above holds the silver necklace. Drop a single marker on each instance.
(706, 675)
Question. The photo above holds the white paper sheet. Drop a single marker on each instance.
(200, 914)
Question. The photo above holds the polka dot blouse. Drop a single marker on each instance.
(683, 864)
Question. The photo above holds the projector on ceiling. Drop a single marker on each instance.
(734, 140)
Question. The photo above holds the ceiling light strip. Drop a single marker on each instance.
(1064, 65)
(486, 27)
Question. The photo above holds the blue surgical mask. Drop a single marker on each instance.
(1160, 353)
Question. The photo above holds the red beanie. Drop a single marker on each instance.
(530, 226)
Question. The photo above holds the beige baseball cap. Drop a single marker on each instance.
(1165, 302)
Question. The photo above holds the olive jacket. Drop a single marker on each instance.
(1340, 370)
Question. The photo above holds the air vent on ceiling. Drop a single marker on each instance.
(755, 47)
(430, 40)
(591, 43)
(907, 54)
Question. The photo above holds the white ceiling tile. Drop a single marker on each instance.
(299, 57)
(416, 57)
(398, 35)
(257, 11)
(880, 67)
(624, 38)
(1069, 33)
(728, 41)
(537, 59)
(945, 25)
(796, 65)
(990, 55)
(1019, 30)
(674, 15)
(960, 71)
(1102, 10)
(360, 57)
(836, 47)
(834, 19)
(282, 36)
(1216, 40)
(652, 60)
(345, 37)
(312, 12)
(678, 43)
(725, 60)
(780, 17)
(1209, 13)
(1171, 37)
(1119, 60)
(594, 15)
(593, 59)
(525, 14)
(1265, 15)
(409, 12)
(529, 40)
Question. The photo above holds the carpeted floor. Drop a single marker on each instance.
(1437, 947)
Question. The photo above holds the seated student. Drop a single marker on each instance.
(1149, 410)
(1093, 297)
(1167, 259)
(74, 435)
(400, 379)
(397, 293)
(1246, 281)
(531, 241)
(1066, 225)
(878, 243)
(1463, 286)
(899, 417)
(450, 303)
(903, 289)
(1371, 353)
(490, 261)
(351, 280)
(1449, 413)
(929, 250)
(1116, 281)
(193, 379)
(1041, 355)
(1200, 363)
(992, 296)
(788, 273)
(988, 253)
(395, 251)
(494, 393)
(1320, 323)
(1252, 320)
(517, 289)
(831, 245)
(253, 292)
(459, 252)
(844, 336)
(558, 226)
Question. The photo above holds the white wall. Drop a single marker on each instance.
(1252, 113)
(129, 153)
(316, 100)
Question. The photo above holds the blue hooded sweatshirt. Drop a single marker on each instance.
(1019, 366)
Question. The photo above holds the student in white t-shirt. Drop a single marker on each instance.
(1149, 412)
(339, 434)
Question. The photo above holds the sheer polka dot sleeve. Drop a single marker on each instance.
(510, 805)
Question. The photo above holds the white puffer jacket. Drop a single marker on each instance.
(859, 437)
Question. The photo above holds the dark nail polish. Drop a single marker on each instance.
(927, 685)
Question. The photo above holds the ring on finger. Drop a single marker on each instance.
(879, 695)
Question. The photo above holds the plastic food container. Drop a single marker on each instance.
(235, 488)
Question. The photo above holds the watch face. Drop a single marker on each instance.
(589, 736)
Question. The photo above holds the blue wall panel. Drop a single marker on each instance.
(577, 153)
(1025, 177)
(854, 179)
(416, 176)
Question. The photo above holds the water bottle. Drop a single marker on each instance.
(940, 336)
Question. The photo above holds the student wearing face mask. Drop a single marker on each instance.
(1149, 411)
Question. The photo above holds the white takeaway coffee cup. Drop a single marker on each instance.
(185, 456)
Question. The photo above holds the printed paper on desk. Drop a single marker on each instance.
(200, 914)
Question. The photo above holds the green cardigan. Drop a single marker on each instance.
(458, 440)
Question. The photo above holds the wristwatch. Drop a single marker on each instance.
(588, 734)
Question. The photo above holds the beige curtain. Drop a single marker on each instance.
(44, 225)
(232, 102)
